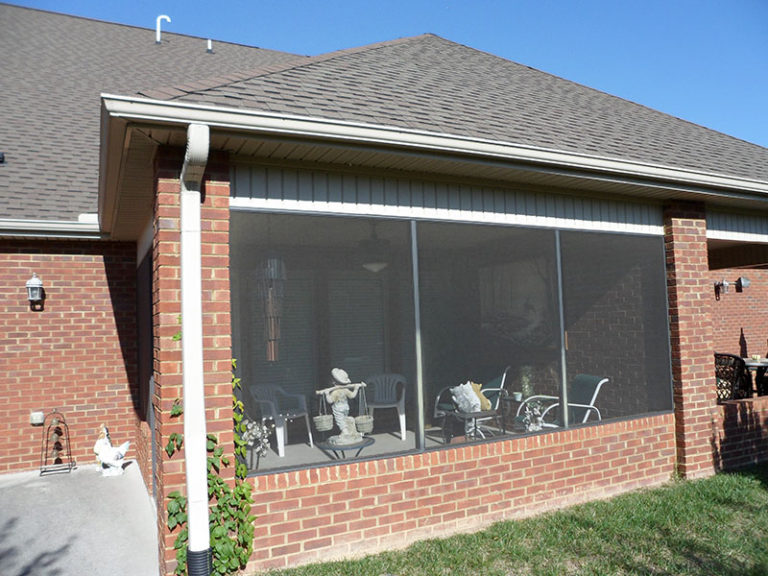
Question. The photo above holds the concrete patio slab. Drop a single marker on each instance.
(77, 523)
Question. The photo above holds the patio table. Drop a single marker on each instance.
(472, 417)
(339, 451)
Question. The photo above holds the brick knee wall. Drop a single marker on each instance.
(366, 507)
(77, 355)
(743, 437)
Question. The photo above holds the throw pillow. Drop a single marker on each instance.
(465, 398)
(485, 404)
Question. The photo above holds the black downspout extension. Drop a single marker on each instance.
(199, 562)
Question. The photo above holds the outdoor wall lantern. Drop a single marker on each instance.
(35, 292)
(722, 286)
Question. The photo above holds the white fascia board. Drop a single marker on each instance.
(142, 109)
(49, 229)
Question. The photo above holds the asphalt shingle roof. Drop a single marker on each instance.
(55, 66)
(53, 69)
(432, 84)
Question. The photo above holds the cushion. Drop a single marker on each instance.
(485, 404)
(465, 398)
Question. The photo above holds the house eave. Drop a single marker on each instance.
(636, 177)
(60, 229)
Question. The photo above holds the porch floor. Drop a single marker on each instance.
(299, 453)
(77, 523)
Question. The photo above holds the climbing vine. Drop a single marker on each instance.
(230, 519)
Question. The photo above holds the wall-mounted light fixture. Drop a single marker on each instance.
(35, 292)
(722, 286)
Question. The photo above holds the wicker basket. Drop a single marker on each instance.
(364, 424)
(323, 422)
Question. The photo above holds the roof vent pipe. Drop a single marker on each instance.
(210, 47)
(157, 26)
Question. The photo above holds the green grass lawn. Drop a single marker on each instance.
(713, 527)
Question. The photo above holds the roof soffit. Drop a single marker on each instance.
(314, 142)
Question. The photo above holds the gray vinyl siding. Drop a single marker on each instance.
(722, 225)
(290, 189)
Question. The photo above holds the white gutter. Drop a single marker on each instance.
(307, 127)
(195, 159)
(49, 229)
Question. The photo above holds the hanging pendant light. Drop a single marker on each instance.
(375, 252)
(272, 286)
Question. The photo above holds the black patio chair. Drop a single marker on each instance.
(733, 379)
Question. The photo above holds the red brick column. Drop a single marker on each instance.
(217, 352)
(690, 290)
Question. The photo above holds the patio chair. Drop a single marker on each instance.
(582, 394)
(732, 376)
(281, 407)
(493, 390)
(387, 391)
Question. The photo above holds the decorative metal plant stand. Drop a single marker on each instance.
(55, 450)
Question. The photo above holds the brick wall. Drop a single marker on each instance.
(360, 508)
(740, 322)
(740, 319)
(170, 474)
(77, 355)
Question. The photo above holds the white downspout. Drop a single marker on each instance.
(195, 159)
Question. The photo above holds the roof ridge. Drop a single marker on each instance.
(177, 91)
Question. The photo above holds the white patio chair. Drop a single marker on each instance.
(281, 407)
(387, 391)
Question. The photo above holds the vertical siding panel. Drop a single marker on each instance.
(429, 199)
(274, 187)
(241, 182)
(568, 211)
(511, 202)
(257, 183)
(476, 194)
(377, 191)
(306, 185)
(442, 199)
(417, 194)
(454, 198)
(349, 189)
(334, 188)
(320, 187)
(404, 201)
(364, 190)
(290, 185)
(407, 197)
(390, 192)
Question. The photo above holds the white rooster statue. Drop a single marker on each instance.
(110, 457)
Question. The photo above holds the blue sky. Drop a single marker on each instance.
(702, 60)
